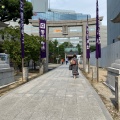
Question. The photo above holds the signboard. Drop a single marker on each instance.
(98, 44)
(57, 31)
(42, 32)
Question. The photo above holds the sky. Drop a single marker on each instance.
(82, 6)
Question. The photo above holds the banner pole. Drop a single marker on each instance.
(88, 66)
(22, 68)
(97, 70)
(98, 44)
(22, 33)
(87, 46)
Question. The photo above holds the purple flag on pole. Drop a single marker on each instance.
(42, 32)
(22, 27)
(98, 44)
(87, 41)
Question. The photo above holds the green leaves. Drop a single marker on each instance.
(12, 10)
(12, 44)
(92, 48)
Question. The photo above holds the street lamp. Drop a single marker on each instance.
(3, 12)
(58, 54)
(2, 6)
(58, 49)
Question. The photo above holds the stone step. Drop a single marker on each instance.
(2, 62)
(115, 65)
(117, 61)
(4, 66)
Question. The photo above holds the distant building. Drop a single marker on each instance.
(41, 10)
(63, 16)
(56, 15)
(103, 35)
(74, 31)
(113, 16)
(40, 5)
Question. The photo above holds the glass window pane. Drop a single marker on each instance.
(75, 29)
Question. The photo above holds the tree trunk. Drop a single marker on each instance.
(34, 65)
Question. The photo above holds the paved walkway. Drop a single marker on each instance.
(54, 96)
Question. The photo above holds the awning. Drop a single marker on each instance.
(116, 19)
(2, 24)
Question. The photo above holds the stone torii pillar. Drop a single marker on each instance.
(84, 45)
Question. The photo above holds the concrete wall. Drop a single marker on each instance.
(113, 29)
(6, 76)
(103, 35)
(108, 55)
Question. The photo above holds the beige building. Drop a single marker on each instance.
(73, 31)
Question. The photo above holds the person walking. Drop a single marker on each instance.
(62, 60)
(66, 60)
(74, 64)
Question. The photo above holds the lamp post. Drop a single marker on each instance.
(3, 11)
(58, 54)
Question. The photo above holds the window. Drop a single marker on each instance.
(55, 30)
(75, 29)
(65, 30)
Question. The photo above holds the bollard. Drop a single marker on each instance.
(117, 92)
(41, 70)
(94, 73)
(25, 73)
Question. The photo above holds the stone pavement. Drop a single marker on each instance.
(54, 96)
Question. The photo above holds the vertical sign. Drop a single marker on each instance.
(42, 32)
(87, 41)
(22, 27)
(98, 44)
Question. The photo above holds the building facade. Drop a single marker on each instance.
(69, 30)
(40, 5)
(56, 15)
(103, 35)
(66, 31)
(113, 28)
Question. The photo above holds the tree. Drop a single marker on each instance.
(92, 48)
(53, 50)
(32, 48)
(10, 9)
(79, 49)
(11, 43)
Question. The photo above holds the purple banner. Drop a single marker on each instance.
(98, 44)
(22, 27)
(42, 32)
(87, 41)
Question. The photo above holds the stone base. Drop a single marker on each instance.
(6, 76)
(25, 73)
(113, 71)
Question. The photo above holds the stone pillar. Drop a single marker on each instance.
(41, 68)
(84, 45)
(25, 73)
(47, 50)
(117, 92)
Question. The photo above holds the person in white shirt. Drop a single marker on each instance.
(66, 60)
